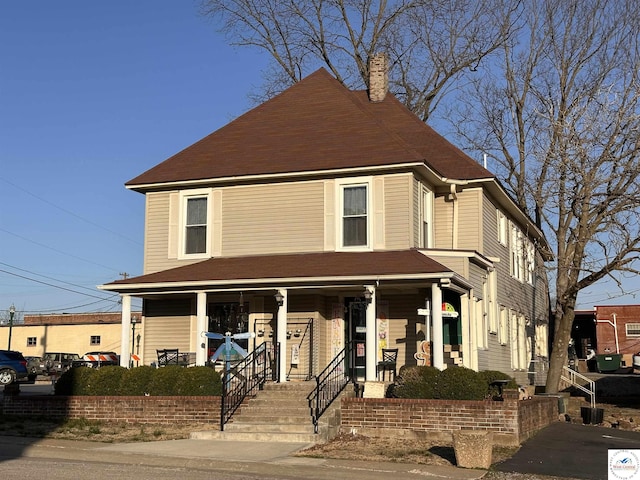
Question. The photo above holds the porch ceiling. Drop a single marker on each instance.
(326, 268)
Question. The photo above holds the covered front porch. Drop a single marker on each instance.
(309, 319)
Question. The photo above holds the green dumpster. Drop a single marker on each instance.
(609, 362)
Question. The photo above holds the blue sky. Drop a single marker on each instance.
(91, 95)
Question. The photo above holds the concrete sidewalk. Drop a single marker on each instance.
(229, 455)
(268, 459)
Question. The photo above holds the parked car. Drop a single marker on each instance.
(57, 363)
(13, 367)
(97, 359)
(35, 367)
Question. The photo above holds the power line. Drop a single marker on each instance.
(69, 212)
(56, 250)
(52, 285)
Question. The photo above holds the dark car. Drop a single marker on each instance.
(57, 363)
(13, 367)
(35, 367)
(97, 359)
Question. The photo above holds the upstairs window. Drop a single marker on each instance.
(195, 223)
(502, 228)
(355, 222)
(633, 329)
(522, 256)
(426, 214)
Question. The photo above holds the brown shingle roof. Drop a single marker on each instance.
(332, 265)
(317, 124)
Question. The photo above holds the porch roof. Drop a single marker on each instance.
(291, 268)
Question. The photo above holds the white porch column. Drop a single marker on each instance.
(436, 316)
(125, 352)
(201, 326)
(281, 337)
(371, 338)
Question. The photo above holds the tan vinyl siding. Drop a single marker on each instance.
(458, 264)
(283, 218)
(397, 201)
(402, 325)
(469, 219)
(157, 234)
(167, 325)
(443, 222)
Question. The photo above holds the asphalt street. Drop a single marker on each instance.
(570, 450)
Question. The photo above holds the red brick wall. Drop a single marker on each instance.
(512, 421)
(605, 332)
(152, 410)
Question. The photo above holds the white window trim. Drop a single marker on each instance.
(426, 213)
(521, 255)
(341, 184)
(636, 326)
(503, 327)
(502, 228)
(184, 196)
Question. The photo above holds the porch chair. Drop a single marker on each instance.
(168, 356)
(388, 362)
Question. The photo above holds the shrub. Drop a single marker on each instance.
(197, 381)
(490, 376)
(106, 380)
(135, 382)
(415, 382)
(75, 381)
(165, 380)
(461, 384)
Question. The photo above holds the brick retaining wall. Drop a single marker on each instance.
(512, 421)
(152, 410)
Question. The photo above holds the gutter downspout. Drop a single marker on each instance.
(614, 324)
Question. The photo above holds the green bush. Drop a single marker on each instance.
(75, 381)
(106, 380)
(491, 376)
(460, 384)
(135, 382)
(457, 383)
(198, 381)
(165, 381)
(416, 382)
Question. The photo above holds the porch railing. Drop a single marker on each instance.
(246, 377)
(329, 384)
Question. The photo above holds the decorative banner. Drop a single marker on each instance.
(448, 311)
(337, 329)
(295, 354)
(382, 308)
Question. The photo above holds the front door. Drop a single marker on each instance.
(356, 334)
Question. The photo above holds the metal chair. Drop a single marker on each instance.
(388, 362)
(168, 356)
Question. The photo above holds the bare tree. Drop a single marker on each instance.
(429, 43)
(560, 114)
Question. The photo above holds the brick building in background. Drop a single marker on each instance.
(69, 333)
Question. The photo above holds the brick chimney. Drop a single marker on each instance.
(378, 77)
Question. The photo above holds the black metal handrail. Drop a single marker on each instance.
(329, 384)
(245, 378)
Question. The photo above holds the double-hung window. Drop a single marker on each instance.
(195, 223)
(426, 213)
(355, 222)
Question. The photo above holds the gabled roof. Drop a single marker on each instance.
(317, 124)
(270, 269)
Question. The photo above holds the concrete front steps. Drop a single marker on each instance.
(279, 413)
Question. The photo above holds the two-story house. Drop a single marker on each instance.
(326, 217)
